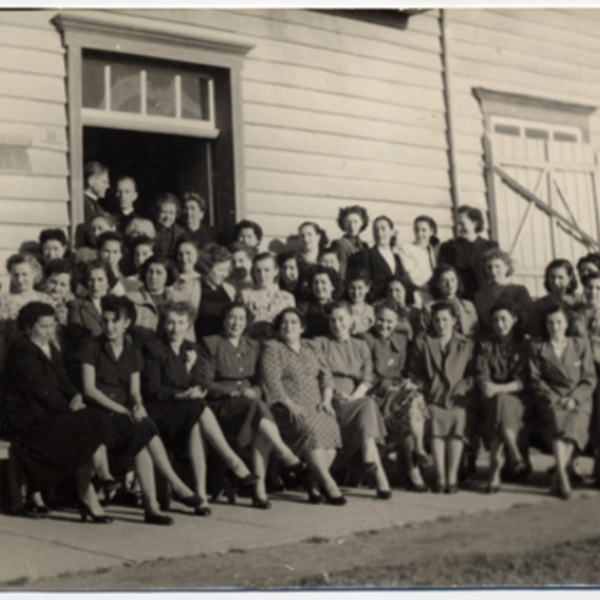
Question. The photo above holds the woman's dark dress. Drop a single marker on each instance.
(164, 376)
(380, 273)
(208, 320)
(316, 316)
(113, 379)
(502, 361)
(225, 369)
(51, 440)
(488, 296)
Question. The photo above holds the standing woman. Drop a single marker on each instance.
(229, 371)
(194, 211)
(382, 262)
(324, 288)
(215, 262)
(174, 397)
(498, 267)
(298, 383)
(439, 366)
(313, 240)
(359, 418)
(167, 210)
(447, 285)
(562, 378)
(501, 375)
(561, 284)
(351, 250)
(188, 286)
(54, 435)
(420, 256)
(110, 370)
(465, 252)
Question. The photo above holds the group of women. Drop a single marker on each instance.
(148, 352)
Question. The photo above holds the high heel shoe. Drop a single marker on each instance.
(336, 500)
(109, 487)
(370, 470)
(384, 494)
(419, 460)
(261, 503)
(203, 511)
(85, 511)
(249, 480)
(411, 486)
(193, 501)
(157, 519)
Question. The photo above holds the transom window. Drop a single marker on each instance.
(532, 130)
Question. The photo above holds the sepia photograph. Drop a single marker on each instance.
(299, 298)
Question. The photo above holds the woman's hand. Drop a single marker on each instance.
(139, 413)
(343, 397)
(249, 394)
(326, 407)
(197, 393)
(297, 412)
(76, 403)
(489, 389)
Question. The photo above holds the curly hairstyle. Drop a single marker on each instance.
(141, 240)
(334, 278)
(437, 307)
(57, 235)
(177, 307)
(163, 199)
(391, 305)
(95, 265)
(232, 306)
(110, 236)
(433, 240)
(185, 239)
(286, 311)
(138, 226)
(497, 254)
(110, 220)
(555, 307)
(245, 224)
(516, 311)
(57, 266)
(394, 238)
(409, 287)
(341, 304)
(356, 210)
(561, 263)
(197, 198)
(323, 239)
(22, 258)
(119, 305)
(31, 313)
(473, 214)
(212, 255)
(593, 258)
(285, 256)
(167, 264)
(250, 251)
(437, 275)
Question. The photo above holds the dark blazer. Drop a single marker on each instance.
(466, 257)
(166, 239)
(447, 382)
(84, 321)
(380, 273)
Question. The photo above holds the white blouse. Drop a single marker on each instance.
(418, 261)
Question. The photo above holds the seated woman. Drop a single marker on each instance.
(313, 240)
(188, 286)
(562, 379)
(324, 289)
(290, 277)
(361, 423)
(352, 220)
(501, 375)
(215, 262)
(242, 256)
(439, 365)
(228, 368)
(167, 209)
(265, 300)
(249, 233)
(54, 435)
(403, 409)
(111, 249)
(141, 248)
(498, 267)
(447, 285)
(561, 284)
(174, 399)
(98, 225)
(358, 285)
(25, 274)
(110, 370)
(58, 279)
(53, 245)
(420, 256)
(299, 387)
(330, 258)
(410, 318)
(194, 209)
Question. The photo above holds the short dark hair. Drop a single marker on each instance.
(590, 277)
(177, 307)
(343, 304)
(561, 263)
(517, 312)
(552, 308)
(358, 275)
(53, 234)
(349, 210)
(592, 258)
(290, 310)
(427, 219)
(197, 198)
(186, 238)
(251, 251)
(57, 266)
(323, 239)
(245, 224)
(110, 236)
(31, 313)
(232, 306)
(285, 256)
(390, 304)
(92, 168)
(141, 240)
(498, 254)
(385, 218)
(212, 255)
(265, 256)
(473, 214)
(22, 258)
(98, 264)
(334, 277)
(166, 198)
(439, 306)
(120, 305)
(166, 262)
(406, 283)
(437, 274)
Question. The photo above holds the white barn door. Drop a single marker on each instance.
(544, 195)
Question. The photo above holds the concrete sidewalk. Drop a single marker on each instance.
(61, 544)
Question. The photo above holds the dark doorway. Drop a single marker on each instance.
(158, 162)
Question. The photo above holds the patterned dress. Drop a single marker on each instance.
(264, 305)
(301, 377)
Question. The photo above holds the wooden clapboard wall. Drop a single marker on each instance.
(554, 54)
(33, 141)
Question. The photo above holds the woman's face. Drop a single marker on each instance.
(44, 329)
(176, 326)
(558, 281)
(322, 288)
(382, 233)
(111, 252)
(265, 272)
(97, 284)
(248, 237)
(309, 239)
(503, 322)
(99, 226)
(141, 254)
(340, 322)
(592, 292)
(586, 269)
(423, 232)
(465, 228)
(241, 265)
(21, 278)
(53, 249)
(58, 285)
(114, 325)
(187, 256)
(357, 291)
(331, 261)
(496, 270)
(386, 321)
(192, 215)
(443, 323)
(448, 284)
(167, 215)
(235, 323)
(219, 273)
(156, 278)
(397, 292)
(289, 271)
(557, 324)
(353, 224)
(291, 328)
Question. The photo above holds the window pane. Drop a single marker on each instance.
(125, 89)
(536, 134)
(560, 136)
(93, 84)
(160, 92)
(507, 130)
(194, 97)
